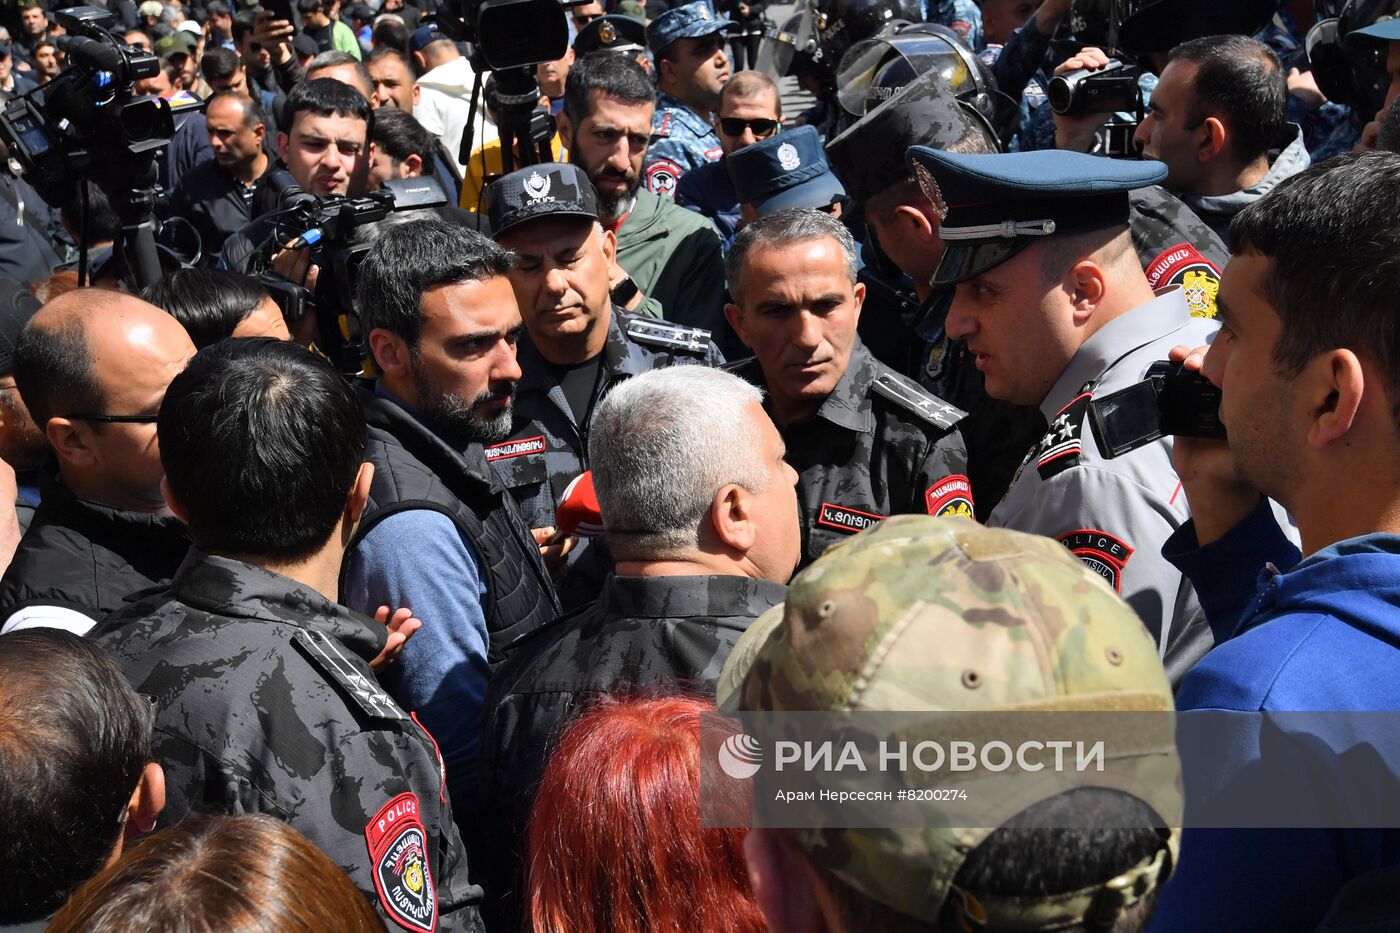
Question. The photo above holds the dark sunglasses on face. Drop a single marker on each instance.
(583, 19)
(734, 126)
(117, 419)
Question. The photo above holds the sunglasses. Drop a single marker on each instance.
(583, 19)
(734, 126)
(117, 419)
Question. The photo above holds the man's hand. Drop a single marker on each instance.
(1370, 137)
(1047, 18)
(1076, 132)
(1219, 497)
(402, 625)
(275, 35)
(295, 266)
(553, 547)
(1302, 85)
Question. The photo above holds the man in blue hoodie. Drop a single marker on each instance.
(1308, 362)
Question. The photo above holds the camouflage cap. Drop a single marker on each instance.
(869, 156)
(944, 615)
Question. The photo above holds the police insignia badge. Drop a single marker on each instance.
(1101, 552)
(398, 851)
(1061, 448)
(788, 157)
(931, 191)
(951, 495)
(1201, 289)
(607, 34)
(537, 186)
(662, 176)
(1183, 265)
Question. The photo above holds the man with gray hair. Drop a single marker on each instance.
(701, 516)
(866, 442)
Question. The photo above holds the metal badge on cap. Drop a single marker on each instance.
(931, 191)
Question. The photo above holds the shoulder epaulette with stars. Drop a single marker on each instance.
(909, 395)
(657, 333)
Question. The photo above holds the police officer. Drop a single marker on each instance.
(577, 344)
(691, 70)
(783, 172)
(264, 694)
(866, 442)
(896, 621)
(689, 580)
(614, 34)
(1054, 308)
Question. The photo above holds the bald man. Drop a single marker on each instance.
(93, 366)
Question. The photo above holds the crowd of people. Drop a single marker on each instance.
(677, 404)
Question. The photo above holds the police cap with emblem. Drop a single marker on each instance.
(611, 33)
(786, 170)
(690, 21)
(549, 190)
(869, 156)
(994, 206)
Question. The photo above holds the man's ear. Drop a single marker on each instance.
(282, 141)
(411, 167)
(732, 518)
(735, 316)
(71, 440)
(1337, 389)
(147, 800)
(1213, 141)
(914, 222)
(390, 352)
(782, 880)
(1087, 286)
(610, 246)
(358, 499)
(260, 131)
(665, 71)
(177, 508)
(566, 131)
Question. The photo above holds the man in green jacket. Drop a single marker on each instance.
(670, 261)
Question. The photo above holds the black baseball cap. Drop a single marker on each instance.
(547, 190)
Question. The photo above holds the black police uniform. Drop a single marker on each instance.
(879, 445)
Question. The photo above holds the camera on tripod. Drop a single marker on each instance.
(88, 123)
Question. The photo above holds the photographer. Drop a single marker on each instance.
(326, 148)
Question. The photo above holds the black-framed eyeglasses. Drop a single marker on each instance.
(116, 419)
(734, 126)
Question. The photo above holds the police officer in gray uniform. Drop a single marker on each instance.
(1053, 305)
(688, 45)
(577, 345)
(264, 693)
(866, 442)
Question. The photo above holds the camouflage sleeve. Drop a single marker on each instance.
(941, 483)
(1117, 527)
(1020, 59)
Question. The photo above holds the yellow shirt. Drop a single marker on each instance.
(486, 163)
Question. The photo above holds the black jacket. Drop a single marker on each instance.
(642, 632)
(89, 557)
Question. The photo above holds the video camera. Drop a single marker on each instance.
(509, 38)
(1112, 89)
(88, 123)
(1171, 401)
(328, 227)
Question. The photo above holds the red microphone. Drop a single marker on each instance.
(578, 512)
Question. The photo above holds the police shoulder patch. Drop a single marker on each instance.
(331, 659)
(398, 853)
(657, 333)
(951, 495)
(845, 519)
(1101, 552)
(913, 397)
(1183, 265)
(662, 176)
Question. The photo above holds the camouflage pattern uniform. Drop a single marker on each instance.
(547, 447)
(879, 445)
(931, 614)
(266, 704)
(642, 632)
(681, 140)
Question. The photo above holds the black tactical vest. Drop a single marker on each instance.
(414, 469)
(89, 557)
